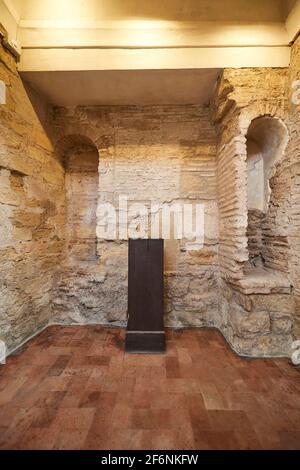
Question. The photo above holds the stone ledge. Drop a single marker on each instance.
(262, 281)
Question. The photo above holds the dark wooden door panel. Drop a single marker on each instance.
(145, 296)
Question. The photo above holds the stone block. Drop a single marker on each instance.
(274, 303)
(245, 324)
(281, 324)
(243, 300)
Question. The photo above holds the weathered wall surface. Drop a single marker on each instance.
(153, 155)
(82, 182)
(257, 308)
(242, 96)
(55, 265)
(293, 154)
(31, 214)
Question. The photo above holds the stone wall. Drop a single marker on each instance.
(31, 214)
(270, 135)
(293, 153)
(159, 155)
(242, 95)
(56, 267)
(81, 180)
(257, 309)
(255, 237)
(258, 315)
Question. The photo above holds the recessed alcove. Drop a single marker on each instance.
(80, 159)
(267, 139)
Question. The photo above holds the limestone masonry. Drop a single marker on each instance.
(239, 156)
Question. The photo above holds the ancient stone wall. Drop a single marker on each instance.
(31, 214)
(81, 181)
(258, 307)
(158, 155)
(242, 96)
(293, 153)
(255, 236)
(56, 266)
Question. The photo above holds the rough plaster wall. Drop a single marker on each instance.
(293, 153)
(31, 214)
(151, 154)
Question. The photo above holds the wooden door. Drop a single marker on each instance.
(145, 296)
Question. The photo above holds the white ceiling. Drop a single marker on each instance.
(126, 87)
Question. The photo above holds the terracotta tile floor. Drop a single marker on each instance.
(74, 388)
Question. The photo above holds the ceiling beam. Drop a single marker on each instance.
(36, 60)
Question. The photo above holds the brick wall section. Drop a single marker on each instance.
(232, 208)
(152, 154)
(255, 236)
(31, 214)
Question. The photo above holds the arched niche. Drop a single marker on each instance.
(267, 139)
(80, 158)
